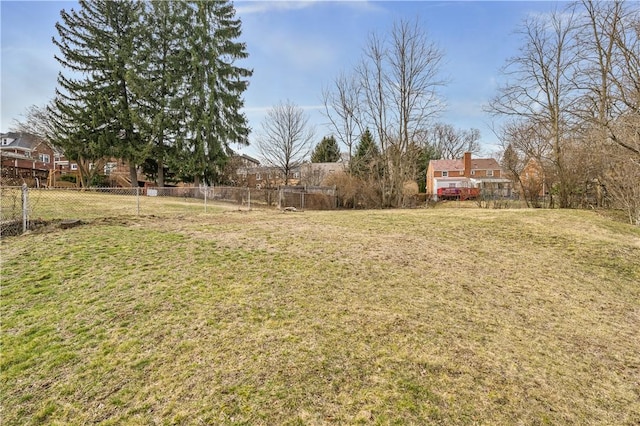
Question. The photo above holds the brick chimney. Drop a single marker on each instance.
(467, 164)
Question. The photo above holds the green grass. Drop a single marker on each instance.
(445, 316)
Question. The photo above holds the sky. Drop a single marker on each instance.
(297, 48)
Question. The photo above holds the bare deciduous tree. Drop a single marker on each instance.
(39, 121)
(400, 79)
(286, 137)
(622, 180)
(526, 159)
(341, 104)
(610, 73)
(36, 121)
(452, 143)
(541, 88)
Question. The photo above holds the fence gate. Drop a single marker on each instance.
(308, 197)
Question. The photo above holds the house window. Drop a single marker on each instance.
(445, 174)
(5, 141)
(44, 158)
(74, 166)
(258, 176)
(489, 172)
(109, 168)
(473, 172)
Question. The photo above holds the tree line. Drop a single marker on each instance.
(572, 98)
(570, 105)
(384, 112)
(154, 84)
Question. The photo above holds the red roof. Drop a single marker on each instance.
(445, 165)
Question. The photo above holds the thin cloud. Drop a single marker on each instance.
(246, 8)
(302, 51)
(257, 7)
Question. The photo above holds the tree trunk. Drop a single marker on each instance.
(160, 179)
(133, 174)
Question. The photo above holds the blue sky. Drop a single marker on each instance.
(298, 47)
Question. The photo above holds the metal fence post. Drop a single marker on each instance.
(279, 197)
(249, 198)
(25, 207)
(206, 189)
(138, 200)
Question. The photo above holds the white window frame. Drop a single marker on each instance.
(44, 158)
(445, 173)
(489, 172)
(73, 166)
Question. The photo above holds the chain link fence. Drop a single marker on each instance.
(21, 207)
(308, 197)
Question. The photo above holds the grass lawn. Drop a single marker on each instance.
(433, 316)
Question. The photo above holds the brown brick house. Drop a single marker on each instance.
(483, 174)
(25, 156)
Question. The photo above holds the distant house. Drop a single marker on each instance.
(252, 174)
(532, 179)
(467, 177)
(316, 173)
(246, 161)
(267, 177)
(25, 156)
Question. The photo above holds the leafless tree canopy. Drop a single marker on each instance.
(452, 143)
(540, 89)
(286, 137)
(36, 121)
(573, 93)
(342, 108)
(394, 92)
(400, 81)
(610, 74)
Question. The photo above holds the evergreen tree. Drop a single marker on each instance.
(327, 151)
(365, 162)
(428, 152)
(159, 79)
(213, 90)
(93, 111)
(174, 99)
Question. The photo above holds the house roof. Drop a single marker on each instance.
(248, 158)
(25, 141)
(443, 165)
(325, 167)
(484, 164)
